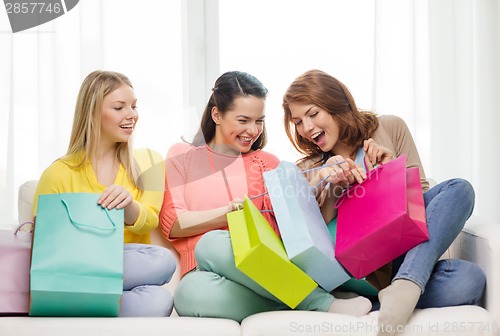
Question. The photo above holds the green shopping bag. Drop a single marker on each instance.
(361, 286)
(260, 254)
(77, 257)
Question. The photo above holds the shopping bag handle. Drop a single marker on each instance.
(324, 178)
(20, 226)
(352, 189)
(85, 226)
(306, 171)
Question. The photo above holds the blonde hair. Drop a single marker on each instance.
(86, 130)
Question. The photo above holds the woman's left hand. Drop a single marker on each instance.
(115, 196)
(376, 154)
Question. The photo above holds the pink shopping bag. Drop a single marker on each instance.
(381, 218)
(15, 253)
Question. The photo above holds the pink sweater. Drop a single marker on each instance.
(201, 179)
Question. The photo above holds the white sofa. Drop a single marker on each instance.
(479, 242)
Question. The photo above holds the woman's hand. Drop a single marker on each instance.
(118, 197)
(345, 173)
(337, 177)
(376, 154)
(115, 196)
(235, 204)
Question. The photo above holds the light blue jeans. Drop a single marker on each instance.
(145, 269)
(447, 282)
(218, 289)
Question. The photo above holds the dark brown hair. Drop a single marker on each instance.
(227, 88)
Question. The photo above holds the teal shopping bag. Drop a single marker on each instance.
(302, 227)
(77, 258)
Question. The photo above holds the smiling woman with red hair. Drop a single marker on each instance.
(323, 123)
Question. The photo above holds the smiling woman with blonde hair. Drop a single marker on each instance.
(100, 160)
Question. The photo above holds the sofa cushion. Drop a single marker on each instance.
(456, 321)
(186, 326)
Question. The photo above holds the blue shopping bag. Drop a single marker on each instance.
(305, 235)
(77, 258)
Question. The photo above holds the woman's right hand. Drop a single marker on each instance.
(336, 177)
(343, 174)
(235, 204)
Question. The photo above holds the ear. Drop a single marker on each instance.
(216, 115)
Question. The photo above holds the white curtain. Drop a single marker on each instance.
(41, 70)
(434, 63)
(465, 100)
(438, 66)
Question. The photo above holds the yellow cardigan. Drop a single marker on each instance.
(60, 177)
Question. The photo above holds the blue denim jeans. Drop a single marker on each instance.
(145, 269)
(447, 282)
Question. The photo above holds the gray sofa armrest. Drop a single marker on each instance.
(479, 242)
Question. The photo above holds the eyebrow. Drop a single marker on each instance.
(124, 102)
(247, 117)
(308, 110)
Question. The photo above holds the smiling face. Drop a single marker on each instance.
(118, 115)
(316, 125)
(239, 127)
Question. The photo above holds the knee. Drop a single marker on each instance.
(213, 247)
(166, 263)
(211, 240)
(466, 192)
(146, 301)
(469, 282)
(191, 296)
(162, 261)
(147, 265)
(474, 282)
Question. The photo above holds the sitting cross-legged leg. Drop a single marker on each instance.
(219, 289)
(145, 269)
(448, 206)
